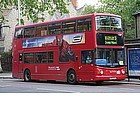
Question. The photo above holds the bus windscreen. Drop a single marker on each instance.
(108, 23)
(109, 57)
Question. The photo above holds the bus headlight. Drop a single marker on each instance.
(101, 72)
(123, 71)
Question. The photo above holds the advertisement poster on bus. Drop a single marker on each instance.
(134, 62)
(66, 52)
(38, 42)
(75, 38)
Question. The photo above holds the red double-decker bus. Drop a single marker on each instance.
(87, 48)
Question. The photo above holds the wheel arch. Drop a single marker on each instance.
(26, 69)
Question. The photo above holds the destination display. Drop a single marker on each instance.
(109, 39)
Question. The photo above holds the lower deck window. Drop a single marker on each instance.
(41, 57)
(50, 57)
(28, 57)
(87, 57)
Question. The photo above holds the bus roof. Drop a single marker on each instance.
(70, 18)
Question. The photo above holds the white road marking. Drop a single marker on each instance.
(5, 86)
(58, 90)
(127, 88)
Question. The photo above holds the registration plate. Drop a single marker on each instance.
(113, 78)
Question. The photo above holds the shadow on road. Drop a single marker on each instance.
(105, 83)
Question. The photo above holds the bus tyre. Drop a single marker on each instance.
(71, 77)
(27, 76)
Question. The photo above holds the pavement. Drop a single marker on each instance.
(5, 75)
(8, 75)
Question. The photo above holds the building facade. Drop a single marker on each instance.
(133, 51)
(11, 16)
(137, 21)
(131, 42)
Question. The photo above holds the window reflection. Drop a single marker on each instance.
(109, 57)
(87, 57)
(108, 23)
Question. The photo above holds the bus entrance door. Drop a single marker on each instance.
(86, 66)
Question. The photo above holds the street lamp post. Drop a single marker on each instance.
(19, 12)
(0, 65)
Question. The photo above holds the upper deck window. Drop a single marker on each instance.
(84, 25)
(54, 28)
(108, 23)
(18, 33)
(41, 30)
(69, 27)
(29, 32)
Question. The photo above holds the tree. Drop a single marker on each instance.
(6, 61)
(88, 10)
(31, 8)
(124, 8)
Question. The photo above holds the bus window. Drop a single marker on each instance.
(41, 30)
(18, 33)
(69, 27)
(108, 23)
(29, 32)
(50, 57)
(28, 58)
(54, 28)
(84, 25)
(40, 57)
(109, 57)
(87, 57)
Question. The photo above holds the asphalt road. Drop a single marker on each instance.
(70, 114)
(19, 86)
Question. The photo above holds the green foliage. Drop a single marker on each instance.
(31, 8)
(124, 8)
(88, 10)
(6, 60)
(7, 54)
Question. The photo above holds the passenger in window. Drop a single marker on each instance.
(89, 58)
(37, 59)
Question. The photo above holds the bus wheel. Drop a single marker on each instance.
(98, 83)
(71, 77)
(27, 76)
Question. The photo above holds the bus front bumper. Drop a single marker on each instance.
(109, 78)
